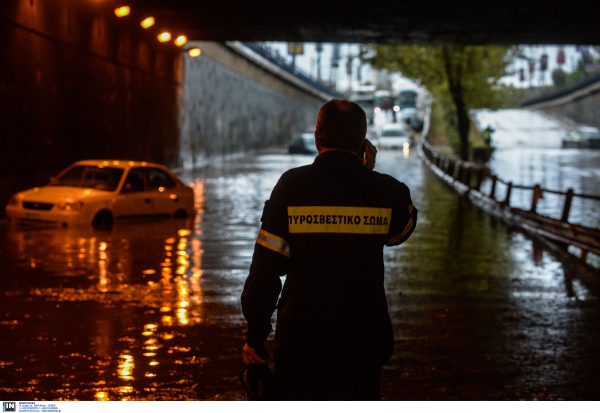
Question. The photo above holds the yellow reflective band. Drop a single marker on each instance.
(399, 237)
(338, 219)
(273, 242)
(410, 208)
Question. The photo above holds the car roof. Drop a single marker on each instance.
(588, 129)
(119, 163)
(389, 126)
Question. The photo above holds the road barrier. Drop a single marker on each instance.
(467, 177)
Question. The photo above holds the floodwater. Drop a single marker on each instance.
(529, 152)
(150, 310)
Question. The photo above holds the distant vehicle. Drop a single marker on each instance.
(304, 144)
(368, 105)
(407, 99)
(393, 136)
(582, 137)
(364, 96)
(98, 192)
(383, 99)
(412, 117)
(373, 138)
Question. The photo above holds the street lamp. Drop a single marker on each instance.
(164, 37)
(147, 22)
(181, 40)
(122, 11)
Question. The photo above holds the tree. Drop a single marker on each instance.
(462, 77)
(559, 77)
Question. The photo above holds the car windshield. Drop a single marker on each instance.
(591, 134)
(308, 139)
(89, 176)
(393, 132)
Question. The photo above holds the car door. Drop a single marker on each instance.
(163, 191)
(134, 200)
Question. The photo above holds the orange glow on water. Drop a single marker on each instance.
(195, 52)
(164, 37)
(147, 22)
(122, 11)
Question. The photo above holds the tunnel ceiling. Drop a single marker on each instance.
(385, 21)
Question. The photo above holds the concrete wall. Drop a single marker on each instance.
(77, 82)
(234, 101)
(581, 106)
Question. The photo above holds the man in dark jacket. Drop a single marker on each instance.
(325, 227)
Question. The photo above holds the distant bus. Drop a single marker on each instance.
(408, 99)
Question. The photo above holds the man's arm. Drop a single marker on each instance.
(404, 217)
(263, 285)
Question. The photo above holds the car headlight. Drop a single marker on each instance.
(377, 110)
(13, 201)
(70, 206)
(396, 108)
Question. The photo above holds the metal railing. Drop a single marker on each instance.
(464, 171)
(274, 57)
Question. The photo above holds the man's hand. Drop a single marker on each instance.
(370, 154)
(250, 356)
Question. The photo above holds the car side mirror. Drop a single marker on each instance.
(127, 188)
(52, 178)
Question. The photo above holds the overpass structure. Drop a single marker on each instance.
(383, 21)
(579, 102)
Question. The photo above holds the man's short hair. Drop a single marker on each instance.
(341, 124)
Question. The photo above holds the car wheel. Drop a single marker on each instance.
(103, 220)
(180, 214)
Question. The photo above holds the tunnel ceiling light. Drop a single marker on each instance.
(147, 22)
(164, 37)
(195, 52)
(122, 11)
(181, 40)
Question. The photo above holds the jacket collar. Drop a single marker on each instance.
(337, 157)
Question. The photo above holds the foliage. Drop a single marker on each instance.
(559, 77)
(461, 77)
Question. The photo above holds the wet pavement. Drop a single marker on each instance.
(150, 311)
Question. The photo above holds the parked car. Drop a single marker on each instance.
(582, 137)
(393, 136)
(303, 143)
(412, 117)
(98, 192)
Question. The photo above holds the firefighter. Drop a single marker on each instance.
(325, 226)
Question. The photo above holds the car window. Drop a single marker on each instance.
(393, 132)
(159, 179)
(588, 135)
(298, 142)
(135, 181)
(308, 140)
(88, 176)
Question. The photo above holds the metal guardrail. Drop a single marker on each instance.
(462, 174)
(564, 91)
(280, 61)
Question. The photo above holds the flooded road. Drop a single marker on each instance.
(529, 152)
(150, 311)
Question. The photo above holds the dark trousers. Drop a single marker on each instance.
(347, 383)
